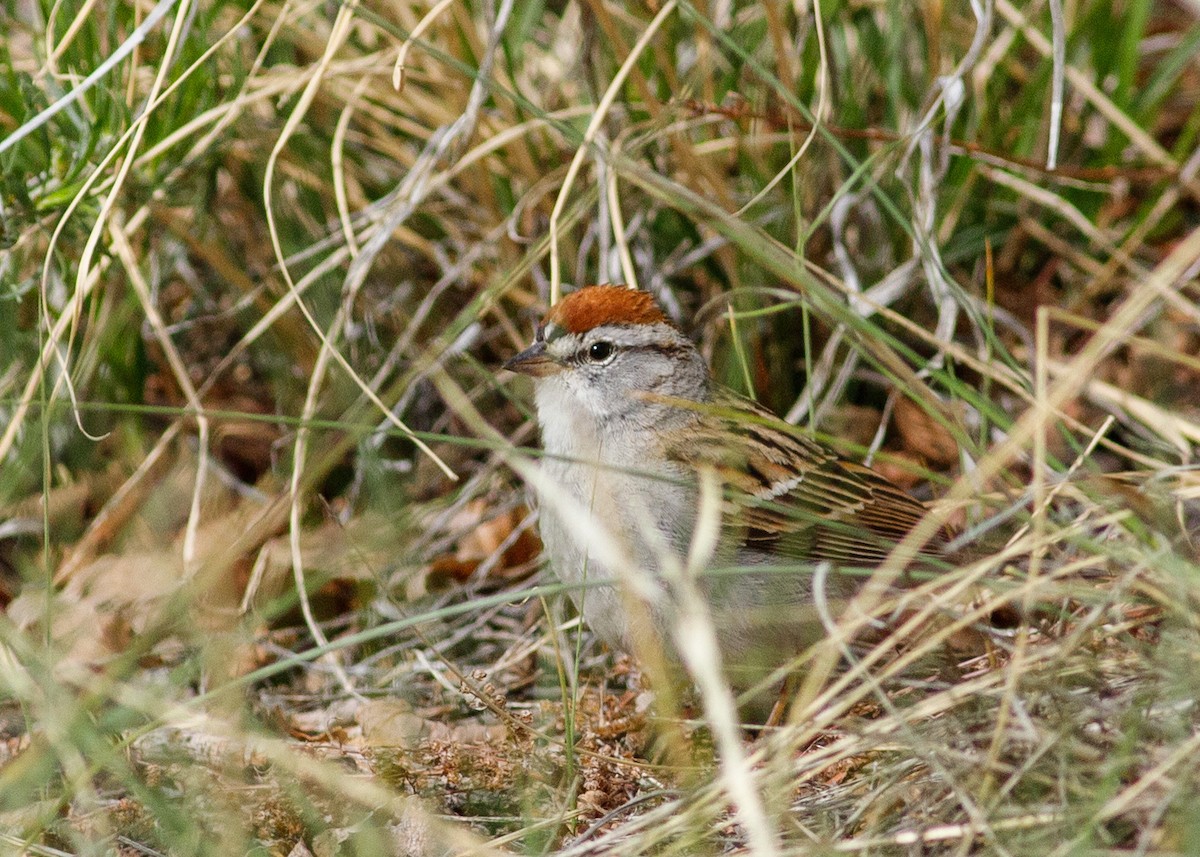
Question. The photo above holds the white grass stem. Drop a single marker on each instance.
(819, 115)
(589, 136)
(124, 252)
(1058, 37)
(628, 269)
(338, 34)
(696, 639)
(417, 32)
(123, 50)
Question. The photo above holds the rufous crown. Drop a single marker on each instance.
(593, 306)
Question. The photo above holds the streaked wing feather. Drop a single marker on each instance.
(829, 508)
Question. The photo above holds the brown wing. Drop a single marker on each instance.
(823, 507)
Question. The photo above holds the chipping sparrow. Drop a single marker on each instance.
(629, 416)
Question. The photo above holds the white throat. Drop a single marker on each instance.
(568, 430)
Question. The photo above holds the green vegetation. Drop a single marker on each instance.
(265, 565)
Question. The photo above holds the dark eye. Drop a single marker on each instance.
(598, 352)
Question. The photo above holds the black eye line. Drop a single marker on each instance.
(673, 351)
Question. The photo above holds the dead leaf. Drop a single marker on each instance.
(899, 467)
(493, 539)
(924, 435)
(392, 723)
